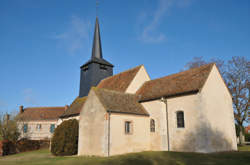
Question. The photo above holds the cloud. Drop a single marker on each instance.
(75, 36)
(29, 96)
(149, 33)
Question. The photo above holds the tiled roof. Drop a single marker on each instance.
(118, 102)
(180, 83)
(41, 113)
(75, 107)
(121, 81)
(247, 128)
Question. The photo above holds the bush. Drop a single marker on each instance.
(7, 147)
(247, 137)
(65, 138)
(27, 145)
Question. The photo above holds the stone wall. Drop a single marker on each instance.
(136, 141)
(93, 128)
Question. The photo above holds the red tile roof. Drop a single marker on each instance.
(75, 107)
(121, 81)
(119, 102)
(247, 129)
(41, 113)
(176, 84)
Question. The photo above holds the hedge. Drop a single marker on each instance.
(65, 138)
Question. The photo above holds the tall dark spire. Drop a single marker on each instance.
(97, 68)
(97, 47)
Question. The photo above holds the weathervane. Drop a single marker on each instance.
(97, 5)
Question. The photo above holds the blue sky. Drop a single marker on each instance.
(44, 42)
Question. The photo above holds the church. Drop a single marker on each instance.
(190, 111)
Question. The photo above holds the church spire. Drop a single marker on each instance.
(97, 47)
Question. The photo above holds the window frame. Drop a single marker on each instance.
(130, 127)
(25, 128)
(50, 130)
(38, 127)
(180, 119)
(152, 125)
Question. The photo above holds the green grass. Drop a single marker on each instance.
(43, 157)
(244, 148)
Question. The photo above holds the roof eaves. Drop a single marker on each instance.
(170, 96)
(131, 113)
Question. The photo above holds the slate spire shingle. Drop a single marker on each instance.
(97, 46)
(95, 69)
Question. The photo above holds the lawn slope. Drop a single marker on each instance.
(43, 157)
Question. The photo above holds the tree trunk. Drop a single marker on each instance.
(241, 137)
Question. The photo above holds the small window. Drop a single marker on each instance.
(38, 127)
(25, 128)
(52, 128)
(85, 68)
(128, 127)
(152, 125)
(180, 119)
(103, 67)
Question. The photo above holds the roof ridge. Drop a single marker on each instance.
(122, 72)
(113, 91)
(44, 107)
(206, 65)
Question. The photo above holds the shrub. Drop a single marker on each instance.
(247, 137)
(65, 138)
(7, 147)
(27, 145)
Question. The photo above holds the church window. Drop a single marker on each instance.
(85, 68)
(52, 128)
(152, 125)
(25, 128)
(128, 127)
(38, 127)
(180, 119)
(103, 67)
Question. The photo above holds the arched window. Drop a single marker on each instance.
(180, 119)
(152, 125)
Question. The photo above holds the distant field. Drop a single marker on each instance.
(43, 157)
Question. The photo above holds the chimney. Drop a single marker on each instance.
(66, 107)
(6, 117)
(21, 109)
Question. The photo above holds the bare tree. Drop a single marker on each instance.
(195, 63)
(8, 128)
(199, 61)
(237, 77)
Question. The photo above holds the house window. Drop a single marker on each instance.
(25, 128)
(38, 127)
(152, 125)
(128, 127)
(180, 119)
(52, 128)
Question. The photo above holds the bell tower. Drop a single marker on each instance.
(96, 69)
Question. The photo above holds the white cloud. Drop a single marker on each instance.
(75, 36)
(29, 96)
(149, 33)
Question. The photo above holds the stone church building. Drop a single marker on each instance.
(188, 111)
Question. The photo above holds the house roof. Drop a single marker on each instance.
(247, 128)
(41, 113)
(121, 81)
(176, 84)
(118, 102)
(75, 107)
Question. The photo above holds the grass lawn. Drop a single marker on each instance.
(43, 157)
